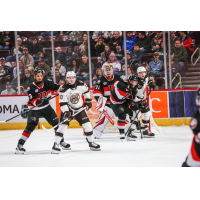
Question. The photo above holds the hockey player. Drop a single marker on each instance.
(121, 99)
(143, 82)
(103, 89)
(71, 102)
(38, 92)
(193, 158)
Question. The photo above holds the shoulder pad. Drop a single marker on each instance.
(63, 88)
(79, 83)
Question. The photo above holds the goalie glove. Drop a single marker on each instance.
(151, 84)
(88, 103)
(101, 103)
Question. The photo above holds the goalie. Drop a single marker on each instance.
(103, 88)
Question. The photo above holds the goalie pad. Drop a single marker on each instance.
(101, 103)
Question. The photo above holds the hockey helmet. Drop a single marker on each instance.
(133, 77)
(70, 73)
(108, 67)
(141, 69)
(37, 71)
(198, 98)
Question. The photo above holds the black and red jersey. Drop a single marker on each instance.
(104, 87)
(121, 93)
(38, 93)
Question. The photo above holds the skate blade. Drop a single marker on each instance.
(66, 148)
(93, 149)
(55, 152)
(147, 136)
(131, 139)
(19, 152)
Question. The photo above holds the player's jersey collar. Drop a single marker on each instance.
(110, 79)
(40, 87)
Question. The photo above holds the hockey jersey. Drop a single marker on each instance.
(193, 158)
(104, 87)
(36, 92)
(71, 97)
(121, 94)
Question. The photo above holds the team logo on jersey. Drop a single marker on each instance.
(36, 90)
(75, 98)
(193, 123)
(28, 88)
(98, 81)
(33, 118)
(105, 83)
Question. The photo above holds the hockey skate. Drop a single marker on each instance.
(55, 149)
(20, 149)
(147, 134)
(121, 136)
(64, 145)
(131, 136)
(93, 146)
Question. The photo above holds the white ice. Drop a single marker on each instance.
(165, 150)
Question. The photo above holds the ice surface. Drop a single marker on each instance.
(165, 150)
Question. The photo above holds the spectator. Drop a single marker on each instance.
(98, 34)
(74, 66)
(61, 82)
(75, 38)
(59, 55)
(27, 59)
(27, 80)
(48, 33)
(4, 69)
(83, 72)
(22, 91)
(100, 46)
(156, 40)
(9, 90)
(104, 56)
(70, 56)
(129, 71)
(129, 62)
(61, 68)
(12, 57)
(161, 51)
(144, 42)
(7, 38)
(14, 82)
(30, 69)
(186, 41)
(44, 66)
(115, 40)
(153, 79)
(35, 48)
(97, 76)
(179, 54)
(173, 38)
(21, 69)
(130, 40)
(84, 46)
(119, 53)
(145, 65)
(115, 64)
(58, 76)
(155, 66)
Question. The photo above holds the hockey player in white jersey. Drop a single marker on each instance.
(143, 82)
(71, 103)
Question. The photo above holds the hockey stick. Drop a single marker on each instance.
(26, 111)
(137, 116)
(48, 130)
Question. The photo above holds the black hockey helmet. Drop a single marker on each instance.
(133, 77)
(37, 71)
(198, 98)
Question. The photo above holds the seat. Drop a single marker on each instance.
(147, 57)
(4, 53)
(160, 82)
(39, 38)
(64, 49)
(24, 39)
(47, 52)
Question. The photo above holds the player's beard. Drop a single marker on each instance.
(38, 82)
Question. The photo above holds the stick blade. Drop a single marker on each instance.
(46, 130)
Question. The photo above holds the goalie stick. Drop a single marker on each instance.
(25, 111)
(48, 130)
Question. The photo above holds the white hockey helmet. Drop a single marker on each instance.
(108, 67)
(141, 69)
(70, 73)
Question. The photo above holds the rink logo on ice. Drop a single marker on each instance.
(193, 123)
(10, 109)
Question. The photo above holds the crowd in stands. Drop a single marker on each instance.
(71, 53)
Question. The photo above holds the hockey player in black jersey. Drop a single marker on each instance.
(103, 88)
(38, 92)
(71, 103)
(193, 158)
(121, 98)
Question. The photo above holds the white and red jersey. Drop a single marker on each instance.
(38, 93)
(104, 87)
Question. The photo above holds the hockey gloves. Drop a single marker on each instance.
(67, 114)
(133, 106)
(151, 84)
(140, 104)
(45, 102)
(88, 103)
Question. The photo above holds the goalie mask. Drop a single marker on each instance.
(198, 98)
(108, 71)
(71, 78)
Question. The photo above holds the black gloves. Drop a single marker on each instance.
(140, 104)
(88, 103)
(133, 106)
(45, 102)
(67, 114)
(151, 84)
